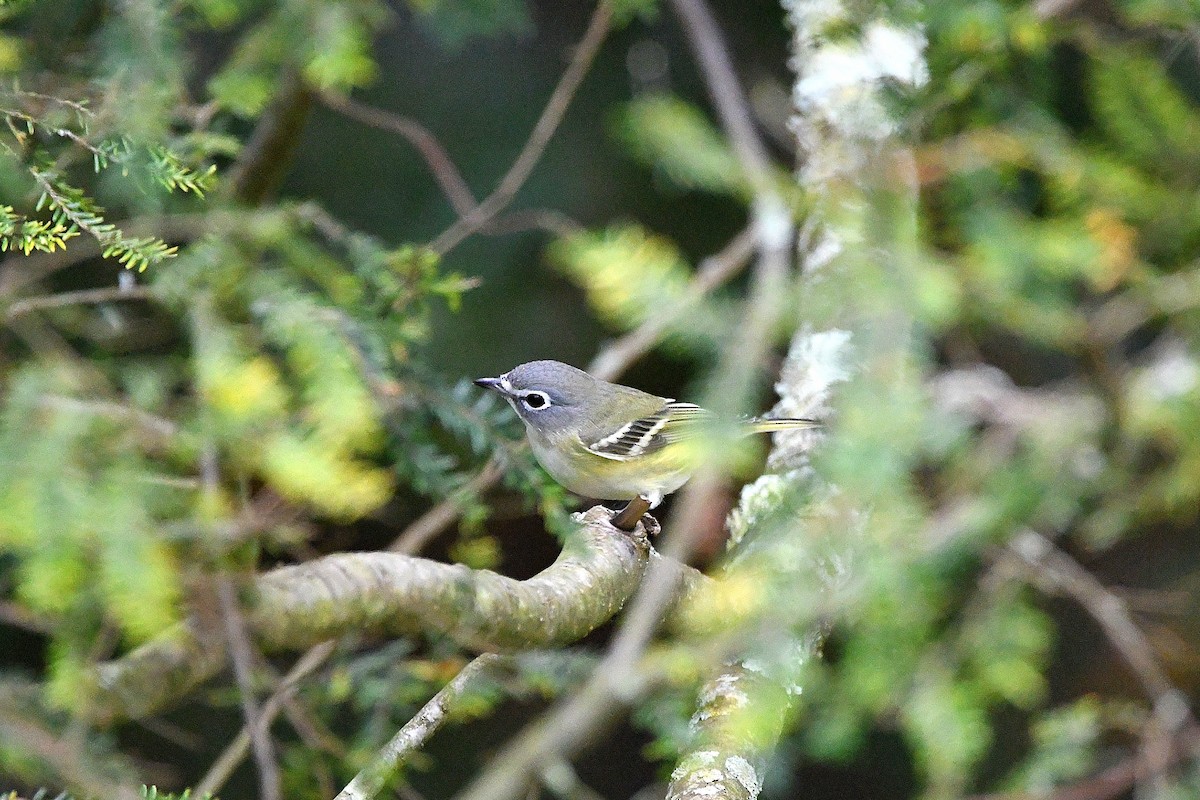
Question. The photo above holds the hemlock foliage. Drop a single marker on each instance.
(273, 385)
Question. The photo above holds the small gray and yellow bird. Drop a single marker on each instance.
(607, 441)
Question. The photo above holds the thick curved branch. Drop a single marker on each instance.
(389, 594)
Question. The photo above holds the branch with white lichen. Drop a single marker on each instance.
(793, 527)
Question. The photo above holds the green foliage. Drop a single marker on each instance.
(18, 232)
(152, 793)
(327, 43)
(278, 378)
(674, 137)
(1064, 747)
(626, 272)
(630, 273)
(73, 210)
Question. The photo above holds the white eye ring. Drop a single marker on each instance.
(536, 401)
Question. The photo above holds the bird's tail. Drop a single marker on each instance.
(763, 425)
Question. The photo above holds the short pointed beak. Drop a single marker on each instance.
(490, 383)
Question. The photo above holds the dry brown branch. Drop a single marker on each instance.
(1109, 784)
(233, 754)
(1053, 570)
(241, 654)
(27, 735)
(264, 161)
(105, 294)
(454, 187)
(535, 145)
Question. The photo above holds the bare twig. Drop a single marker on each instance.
(19, 617)
(439, 517)
(1109, 784)
(545, 127)
(387, 762)
(704, 37)
(562, 781)
(242, 655)
(233, 754)
(447, 175)
(1054, 570)
(461, 198)
(150, 423)
(30, 737)
(713, 271)
(104, 294)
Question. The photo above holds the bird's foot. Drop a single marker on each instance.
(627, 518)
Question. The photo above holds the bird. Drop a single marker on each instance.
(607, 441)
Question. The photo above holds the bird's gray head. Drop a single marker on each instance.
(549, 396)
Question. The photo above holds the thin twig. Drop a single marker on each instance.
(425, 527)
(708, 47)
(150, 423)
(1055, 571)
(233, 754)
(561, 779)
(447, 175)
(19, 617)
(387, 762)
(461, 198)
(543, 130)
(29, 737)
(713, 271)
(242, 655)
(104, 294)
(1109, 784)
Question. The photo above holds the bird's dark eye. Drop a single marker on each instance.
(536, 400)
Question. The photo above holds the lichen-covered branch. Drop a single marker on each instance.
(856, 234)
(414, 733)
(728, 766)
(391, 594)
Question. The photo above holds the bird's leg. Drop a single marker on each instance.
(627, 518)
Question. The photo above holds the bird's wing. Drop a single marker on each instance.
(671, 423)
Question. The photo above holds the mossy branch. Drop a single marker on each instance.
(391, 594)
